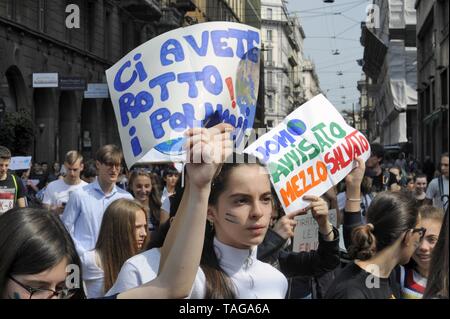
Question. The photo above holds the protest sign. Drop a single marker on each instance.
(20, 162)
(306, 234)
(309, 152)
(197, 76)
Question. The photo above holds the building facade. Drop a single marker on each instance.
(34, 38)
(432, 77)
(283, 61)
(390, 66)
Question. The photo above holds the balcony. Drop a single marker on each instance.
(147, 10)
(183, 5)
(292, 61)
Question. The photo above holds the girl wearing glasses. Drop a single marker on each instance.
(392, 234)
(36, 250)
(413, 277)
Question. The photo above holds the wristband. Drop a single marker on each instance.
(354, 199)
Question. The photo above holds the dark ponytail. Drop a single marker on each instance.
(364, 243)
(389, 215)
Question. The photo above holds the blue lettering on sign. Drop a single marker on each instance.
(210, 77)
(282, 139)
(174, 48)
(121, 85)
(129, 104)
(162, 81)
(200, 50)
(221, 48)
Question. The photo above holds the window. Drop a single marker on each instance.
(427, 100)
(269, 56)
(270, 123)
(269, 13)
(269, 79)
(270, 103)
(444, 87)
(41, 15)
(269, 35)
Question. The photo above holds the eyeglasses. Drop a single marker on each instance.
(421, 231)
(44, 293)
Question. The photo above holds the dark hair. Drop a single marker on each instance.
(419, 176)
(170, 170)
(444, 155)
(437, 284)
(89, 169)
(389, 215)
(5, 153)
(218, 283)
(158, 236)
(31, 241)
(377, 149)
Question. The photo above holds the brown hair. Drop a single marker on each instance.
(5, 153)
(116, 241)
(431, 212)
(109, 154)
(154, 202)
(72, 157)
(389, 215)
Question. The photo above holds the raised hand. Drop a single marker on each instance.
(319, 210)
(285, 226)
(206, 150)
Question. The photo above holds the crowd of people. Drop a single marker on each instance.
(98, 230)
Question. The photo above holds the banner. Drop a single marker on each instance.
(20, 162)
(196, 76)
(309, 152)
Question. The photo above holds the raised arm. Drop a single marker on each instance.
(182, 249)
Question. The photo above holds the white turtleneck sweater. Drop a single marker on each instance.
(252, 278)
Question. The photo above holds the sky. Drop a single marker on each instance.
(329, 27)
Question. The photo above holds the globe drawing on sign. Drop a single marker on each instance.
(247, 84)
(172, 147)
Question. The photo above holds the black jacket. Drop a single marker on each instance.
(313, 263)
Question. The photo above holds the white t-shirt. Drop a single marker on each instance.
(434, 193)
(57, 192)
(252, 278)
(93, 275)
(136, 271)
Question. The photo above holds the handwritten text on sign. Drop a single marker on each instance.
(306, 235)
(200, 75)
(309, 152)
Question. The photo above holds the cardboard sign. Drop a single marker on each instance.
(309, 152)
(20, 162)
(306, 234)
(197, 76)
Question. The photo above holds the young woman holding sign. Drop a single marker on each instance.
(239, 212)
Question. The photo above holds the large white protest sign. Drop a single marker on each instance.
(20, 162)
(196, 76)
(306, 234)
(309, 152)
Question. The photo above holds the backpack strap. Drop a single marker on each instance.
(15, 188)
(441, 186)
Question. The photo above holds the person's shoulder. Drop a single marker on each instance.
(149, 257)
(56, 184)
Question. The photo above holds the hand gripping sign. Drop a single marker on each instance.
(196, 76)
(309, 152)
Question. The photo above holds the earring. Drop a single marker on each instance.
(211, 224)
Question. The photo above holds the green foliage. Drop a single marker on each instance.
(17, 132)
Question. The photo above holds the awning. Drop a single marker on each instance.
(374, 53)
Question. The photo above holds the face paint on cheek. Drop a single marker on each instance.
(231, 218)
